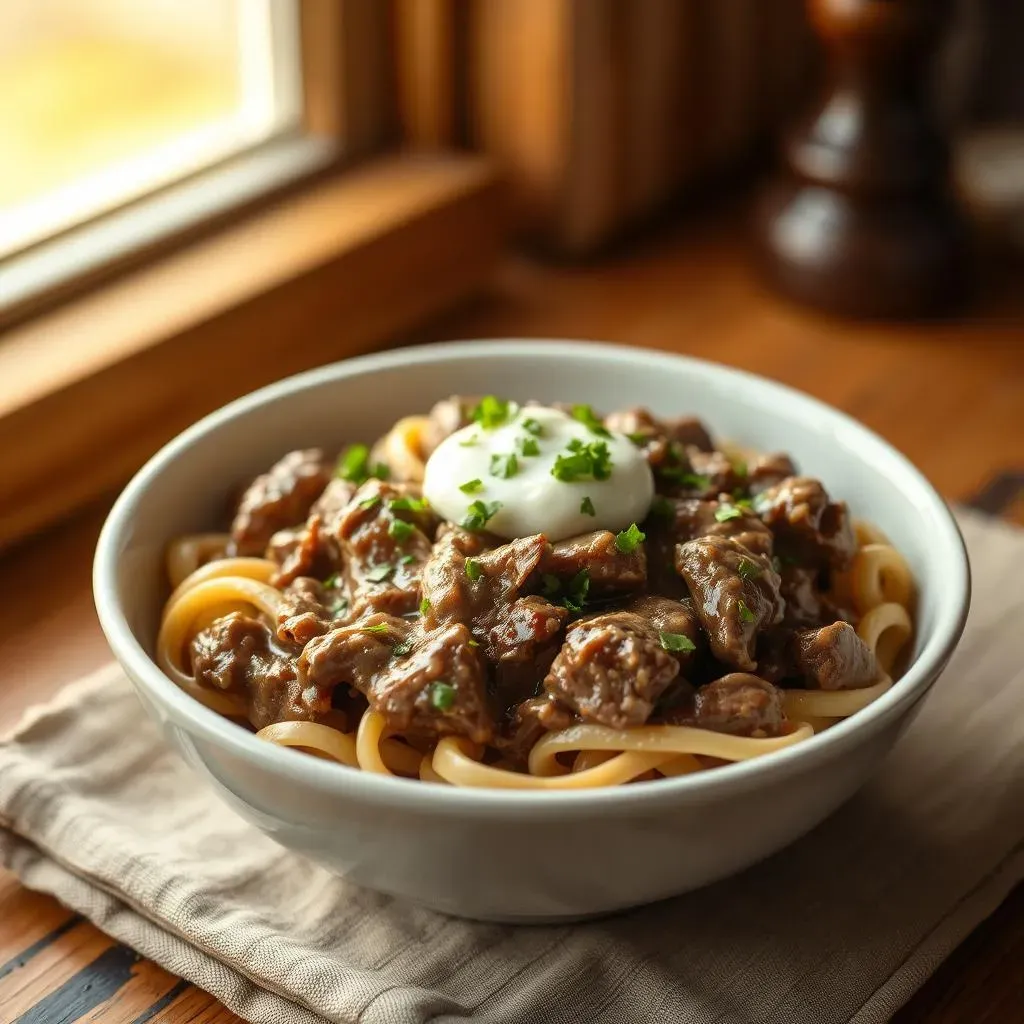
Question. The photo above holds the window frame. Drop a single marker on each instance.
(347, 115)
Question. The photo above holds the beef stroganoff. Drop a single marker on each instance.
(533, 597)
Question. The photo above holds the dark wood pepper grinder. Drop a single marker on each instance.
(862, 220)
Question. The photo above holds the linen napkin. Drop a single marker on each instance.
(843, 926)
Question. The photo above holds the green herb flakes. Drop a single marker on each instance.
(504, 466)
(587, 507)
(424, 606)
(746, 615)
(442, 696)
(585, 415)
(471, 486)
(748, 570)
(473, 570)
(725, 512)
(531, 426)
(677, 642)
(406, 504)
(379, 573)
(628, 540)
(583, 462)
(400, 530)
(492, 412)
(479, 514)
(528, 446)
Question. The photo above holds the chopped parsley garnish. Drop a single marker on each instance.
(584, 461)
(739, 467)
(662, 507)
(473, 570)
(400, 530)
(402, 647)
(576, 593)
(639, 439)
(725, 512)
(381, 627)
(587, 507)
(354, 463)
(531, 426)
(442, 696)
(676, 642)
(473, 643)
(470, 441)
(406, 559)
(748, 570)
(424, 606)
(552, 584)
(585, 415)
(529, 446)
(471, 486)
(627, 540)
(373, 499)
(379, 573)
(492, 412)
(686, 478)
(331, 582)
(504, 466)
(408, 505)
(479, 514)
(339, 606)
(746, 615)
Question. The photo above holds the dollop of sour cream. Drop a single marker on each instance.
(538, 470)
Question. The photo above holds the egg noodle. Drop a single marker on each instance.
(878, 585)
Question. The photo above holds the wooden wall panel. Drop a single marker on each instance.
(603, 110)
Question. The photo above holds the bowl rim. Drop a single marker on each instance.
(401, 793)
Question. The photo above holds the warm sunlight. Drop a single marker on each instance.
(104, 100)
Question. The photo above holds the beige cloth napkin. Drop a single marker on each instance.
(843, 926)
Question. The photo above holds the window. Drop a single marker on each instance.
(103, 101)
(123, 124)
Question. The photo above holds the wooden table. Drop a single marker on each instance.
(951, 397)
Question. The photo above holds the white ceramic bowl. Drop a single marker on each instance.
(519, 855)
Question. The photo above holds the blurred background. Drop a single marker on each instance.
(262, 185)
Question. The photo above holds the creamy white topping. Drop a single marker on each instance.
(535, 473)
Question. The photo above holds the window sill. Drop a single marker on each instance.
(89, 391)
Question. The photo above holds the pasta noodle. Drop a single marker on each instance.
(206, 584)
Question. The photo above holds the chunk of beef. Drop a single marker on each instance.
(639, 423)
(834, 658)
(677, 618)
(446, 417)
(277, 499)
(714, 467)
(764, 471)
(806, 605)
(806, 522)
(512, 682)
(307, 609)
(383, 549)
(694, 517)
(510, 627)
(608, 569)
(735, 593)
(353, 655)
(237, 653)
(532, 719)
(611, 669)
(437, 688)
(337, 494)
(302, 551)
(738, 704)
